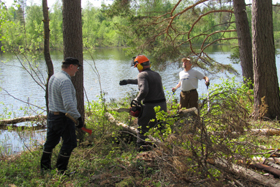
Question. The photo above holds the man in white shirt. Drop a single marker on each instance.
(189, 83)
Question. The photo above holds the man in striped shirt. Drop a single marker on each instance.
(61, 100)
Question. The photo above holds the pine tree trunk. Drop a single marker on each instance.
(265, 75)
(244, 39)
(73, 44)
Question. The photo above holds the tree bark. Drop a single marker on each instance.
(265, 75)
(244, 39)
(73, 45)
(47, 47)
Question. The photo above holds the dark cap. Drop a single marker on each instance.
(71, 60)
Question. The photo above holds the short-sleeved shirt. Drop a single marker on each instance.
(189, 79)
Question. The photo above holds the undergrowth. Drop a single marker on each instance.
(182, 157)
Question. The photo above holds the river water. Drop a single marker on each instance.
(112, 65)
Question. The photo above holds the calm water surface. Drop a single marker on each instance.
(112, 65)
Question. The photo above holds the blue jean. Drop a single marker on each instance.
(60, 126)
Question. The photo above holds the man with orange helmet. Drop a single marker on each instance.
(150, 93)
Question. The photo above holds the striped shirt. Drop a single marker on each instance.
(62, 94)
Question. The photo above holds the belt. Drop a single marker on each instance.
(186, 92)
(57, 113)
(154, 101)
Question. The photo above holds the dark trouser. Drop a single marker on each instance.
(59, 126)
(144, 121)
(189, 99)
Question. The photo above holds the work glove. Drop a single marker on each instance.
(207, 83)
(123, 82)
(81, 123)
(174, 89)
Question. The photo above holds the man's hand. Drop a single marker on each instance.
(174, 89)
(123, 82)
(81, 123)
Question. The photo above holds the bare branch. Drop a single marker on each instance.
(22, 100)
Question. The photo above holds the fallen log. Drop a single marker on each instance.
(181, 113)
(126, 127)
(276, 166)
(22, 119)
(244, 172)
(187, 112)
(275, 172)
(266, 132)
(120, 109)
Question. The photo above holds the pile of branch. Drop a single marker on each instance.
(269, 165)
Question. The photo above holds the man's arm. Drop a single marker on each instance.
(69, 99)
(143, 87)
(207, 83)
(176, 87)
(128, 81)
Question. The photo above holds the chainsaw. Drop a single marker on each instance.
(135, 108)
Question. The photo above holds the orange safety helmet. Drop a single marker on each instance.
(140, 59)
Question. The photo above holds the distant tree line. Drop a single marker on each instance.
(23, 25)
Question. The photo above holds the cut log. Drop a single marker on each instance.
(244, 172)
(22, 119)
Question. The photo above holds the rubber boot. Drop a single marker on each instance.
(62, 162)
(46, 160)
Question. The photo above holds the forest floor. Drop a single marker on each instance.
(105, 162)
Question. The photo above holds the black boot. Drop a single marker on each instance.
(46, 160)
(62, 162)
